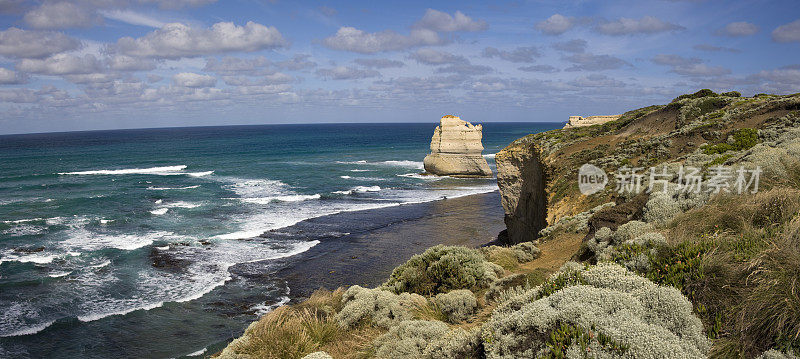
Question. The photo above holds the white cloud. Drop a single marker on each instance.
(10, 77)
(346, 73)
(355, 40)
(689, 66)
(738, 29)
(556, 24)
(520, 54)
(465, 69)
(229, 65)
(297, 62)
(787, 33)
(591, 62)
(645, 25)
(443, 22)
(675, 60)
(596, 80)
(263, 90)
(700, 70)
(18, 96)
(177, 4)
(60, 15)
(271, 79)
(379, 63)
(712, 48)
(20, 43)
(575, 46)
(782, 75)
(539, 68)
(61, 64)
(435, 57)
(132, 17)
(176, 40)
(193, 80)
(128, 63)
(424, 32)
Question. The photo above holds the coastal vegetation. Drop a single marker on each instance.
(656, 274)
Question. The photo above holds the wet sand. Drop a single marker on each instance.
(379, 240)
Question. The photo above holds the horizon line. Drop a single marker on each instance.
(244, 125)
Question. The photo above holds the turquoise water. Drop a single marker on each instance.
(130, 233)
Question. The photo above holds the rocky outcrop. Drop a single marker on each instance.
(522, 178)
(579, 121)
(456, 150)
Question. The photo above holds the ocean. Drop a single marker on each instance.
(167, 242)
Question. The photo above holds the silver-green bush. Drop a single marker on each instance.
(509, 283)
(408, 339)
(457, 305)
(378, 306)
(629, 231)
(576, 223)
(662, 207)
(441, 269)
(623, 314)
(776, 354)
(457, 344)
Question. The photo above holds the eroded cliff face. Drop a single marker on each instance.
(522, 179)
(456, 150)
(538, 174)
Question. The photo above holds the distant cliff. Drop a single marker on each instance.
(579, 121)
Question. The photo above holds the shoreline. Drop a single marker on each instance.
(368, 256)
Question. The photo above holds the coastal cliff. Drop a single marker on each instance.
(456, 150)
(643, 274)
(522, 175)
(580, 121)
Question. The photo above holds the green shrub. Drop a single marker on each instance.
(572, 340)
(698, 94)
(441, 269)
(680, 265)
(457, 305)
(741, 139)
(731, 94)
(376, 306)
(601, 311)
(408, 339)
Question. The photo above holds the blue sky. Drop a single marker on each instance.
(105, 64)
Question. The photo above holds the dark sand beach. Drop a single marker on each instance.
(382, 239)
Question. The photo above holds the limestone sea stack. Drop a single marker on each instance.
(456, 150)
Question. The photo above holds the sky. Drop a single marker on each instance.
(110, 64)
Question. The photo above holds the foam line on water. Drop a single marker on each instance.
(151, 170)
(29, 330)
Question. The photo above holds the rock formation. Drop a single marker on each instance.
(579, 121)
(456, 150)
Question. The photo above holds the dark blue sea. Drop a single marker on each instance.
(151, 243)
